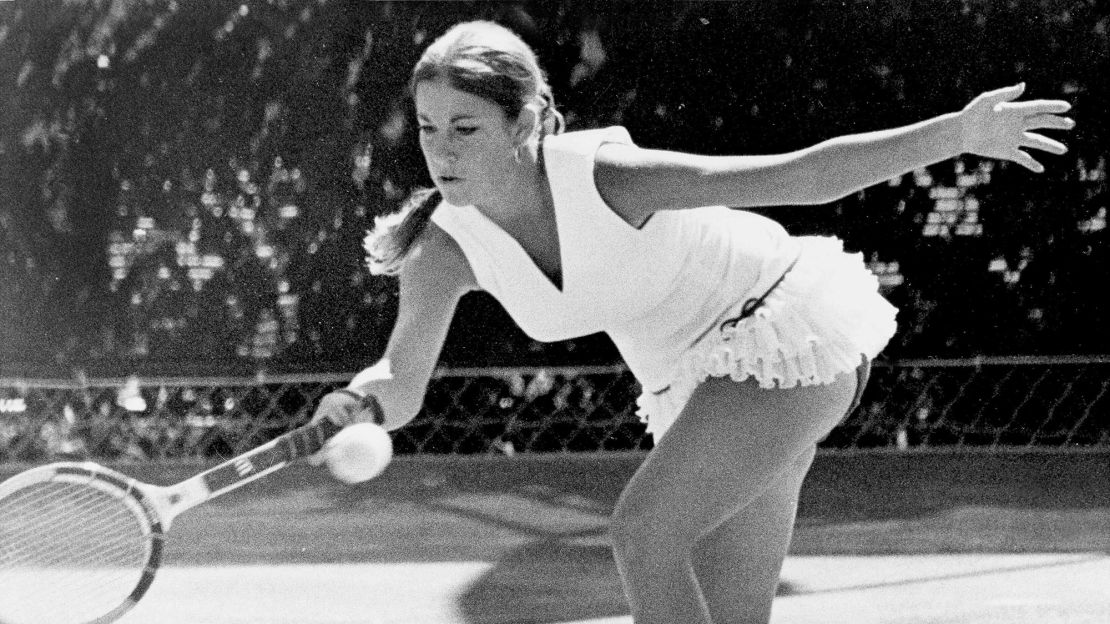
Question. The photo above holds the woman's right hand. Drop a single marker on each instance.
(347, 407)
(994, 125)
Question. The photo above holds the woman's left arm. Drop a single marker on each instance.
(636, 182)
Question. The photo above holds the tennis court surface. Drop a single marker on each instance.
(913, 538)
(891, 589)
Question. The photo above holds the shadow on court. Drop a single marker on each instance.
(546, 582)
(550, 582)
(562, 568)
(541, 521)
(852, 504)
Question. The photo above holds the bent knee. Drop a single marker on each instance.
(635, 523)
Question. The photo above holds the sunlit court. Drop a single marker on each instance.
(560, 312)
(903, 589)
(470, 540)
(925, 537)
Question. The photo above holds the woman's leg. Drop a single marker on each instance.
(738, 563)
(729, 445)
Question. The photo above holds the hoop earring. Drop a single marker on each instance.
(516, 153)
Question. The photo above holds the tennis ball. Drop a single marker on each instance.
(358, 453)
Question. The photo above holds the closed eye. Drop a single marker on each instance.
(460, 130)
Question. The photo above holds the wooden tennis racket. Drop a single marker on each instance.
(80, 543)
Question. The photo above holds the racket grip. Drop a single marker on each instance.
(367, 403)
(311, 438)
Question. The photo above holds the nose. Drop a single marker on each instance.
(440, 152)
(443, 162)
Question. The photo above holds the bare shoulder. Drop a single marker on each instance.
(616, 179)
(636, 182)
(436, 263)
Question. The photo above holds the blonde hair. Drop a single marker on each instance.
(484, 59)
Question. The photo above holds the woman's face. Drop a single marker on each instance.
(467, 142)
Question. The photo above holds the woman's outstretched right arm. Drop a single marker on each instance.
(434, 277)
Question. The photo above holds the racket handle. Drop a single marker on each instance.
(309, 439)
(275, 454)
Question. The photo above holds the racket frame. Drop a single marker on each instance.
(135, 496)
(155, 507)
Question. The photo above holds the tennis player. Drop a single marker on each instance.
(750, 344)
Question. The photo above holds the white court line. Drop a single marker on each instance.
(933, 589)
(405, 593)
(948, 589)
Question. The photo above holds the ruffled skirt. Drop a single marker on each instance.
(820, 321)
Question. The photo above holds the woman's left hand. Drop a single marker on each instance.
(996, 126)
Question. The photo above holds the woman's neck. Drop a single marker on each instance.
(522, 198)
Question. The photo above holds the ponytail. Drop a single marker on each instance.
(393, 235)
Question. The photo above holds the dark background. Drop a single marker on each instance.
(150, 154)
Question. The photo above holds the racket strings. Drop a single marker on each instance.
(51, 533)
(46, 534)
(69, 553)
(98, 511)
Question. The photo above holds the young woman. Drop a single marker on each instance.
(750, 344)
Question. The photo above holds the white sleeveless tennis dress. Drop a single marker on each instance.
(668, 294)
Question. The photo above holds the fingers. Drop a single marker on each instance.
(1001, 119)
(1027, 161)
(1036, 107)
(1041, 142)
(1005, 94)
(1049, 122)
(337, 407)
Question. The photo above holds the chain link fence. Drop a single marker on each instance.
(993, 403)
